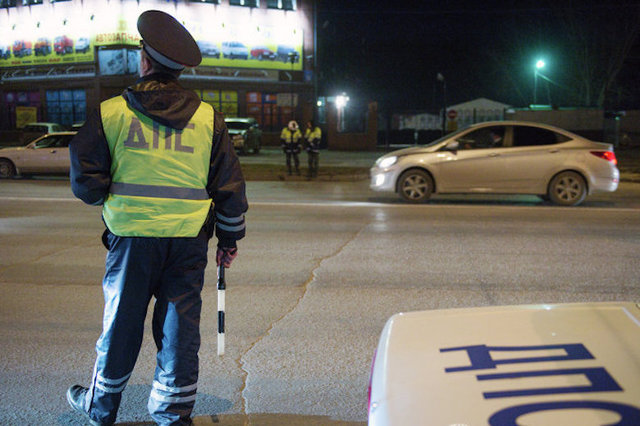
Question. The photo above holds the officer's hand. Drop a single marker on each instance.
(225, 255)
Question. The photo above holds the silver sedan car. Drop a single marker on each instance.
(505, 157)
(46, 154)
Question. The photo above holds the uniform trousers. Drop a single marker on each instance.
(172, 271)
(313, 163)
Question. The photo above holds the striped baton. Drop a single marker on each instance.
(221, 289)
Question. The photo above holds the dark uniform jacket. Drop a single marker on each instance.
(160, 97)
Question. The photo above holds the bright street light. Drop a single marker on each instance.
(540, 64)
(341, 100)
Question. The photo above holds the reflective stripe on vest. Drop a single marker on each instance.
(159, 174)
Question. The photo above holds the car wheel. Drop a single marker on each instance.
(415, 186)
(7, 169)
(567, 189)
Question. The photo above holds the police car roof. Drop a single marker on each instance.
(465, 366)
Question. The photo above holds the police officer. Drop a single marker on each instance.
(313, 137)
(161, 164)
(290, 139)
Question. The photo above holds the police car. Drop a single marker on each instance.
(563, 364)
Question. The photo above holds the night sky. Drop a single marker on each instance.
(392, 52)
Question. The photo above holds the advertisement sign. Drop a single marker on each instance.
(25, 115)
(56, 49)
(26, 41)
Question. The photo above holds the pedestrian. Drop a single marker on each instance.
(161, 164)
(313, 137)
(290, 139)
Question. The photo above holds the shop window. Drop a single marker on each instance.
(224, 101)
(66, 107)
(31, 2)
(265, 109)
(7, 3)
(245, 3)
(205, 1)
(281, 4)
(118, 61)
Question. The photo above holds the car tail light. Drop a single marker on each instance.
(606, 155)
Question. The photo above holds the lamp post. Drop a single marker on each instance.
(539, 65)
(441, 79)
(341, 103)
(292, 58)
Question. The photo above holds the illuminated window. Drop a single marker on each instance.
(7, 3)
(281, 4)
(245, 3)
(118, 61)
(30, 2)
(205, 1)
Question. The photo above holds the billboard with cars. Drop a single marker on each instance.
(65, 34)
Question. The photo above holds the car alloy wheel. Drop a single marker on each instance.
(567, 189)
(7, 169)
(415, 186)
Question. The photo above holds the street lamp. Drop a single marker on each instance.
(291, 56)
(539, 65)
(341, 103)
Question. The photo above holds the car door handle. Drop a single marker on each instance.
(53, 151)
(494, 155)
(553, 151)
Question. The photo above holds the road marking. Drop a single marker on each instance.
(366, 204)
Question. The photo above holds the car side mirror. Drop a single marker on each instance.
(452, 146)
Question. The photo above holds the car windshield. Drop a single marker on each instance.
(238, 125)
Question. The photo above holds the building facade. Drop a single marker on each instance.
(60, 59)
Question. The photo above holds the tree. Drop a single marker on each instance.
(600, 38)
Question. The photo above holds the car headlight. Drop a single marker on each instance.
(387, 161)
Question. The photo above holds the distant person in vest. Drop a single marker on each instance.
(161, 164)
(290, 138)
(313, 137)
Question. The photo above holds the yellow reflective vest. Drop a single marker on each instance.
(159, 174)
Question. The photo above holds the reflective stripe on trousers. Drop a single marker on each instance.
(171, 270)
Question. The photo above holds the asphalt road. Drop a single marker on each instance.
(321, 269)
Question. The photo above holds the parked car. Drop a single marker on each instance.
(262, 53)
(563, 364)
(43, 127)
(209, 49)
(234, 50)
(245, 134)
(507, 157)
(47, 154)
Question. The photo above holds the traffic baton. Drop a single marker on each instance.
(221, 289)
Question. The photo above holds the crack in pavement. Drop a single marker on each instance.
(304, 286)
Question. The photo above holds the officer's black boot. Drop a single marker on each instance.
(76, 399)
